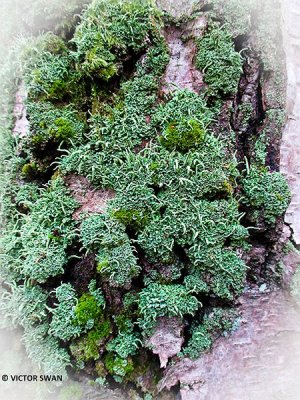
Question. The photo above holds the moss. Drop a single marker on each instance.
(123, 320)
(62, 129)
(100, 62)
(57, 90)
(100, 369)
(88, 346)
(30, 170)
(228, 187)
(103, 263)
(52, 124)
(108, 31)
(131, 218)
(144, 364)
(87, 309)
(37, 140)
(183, 135)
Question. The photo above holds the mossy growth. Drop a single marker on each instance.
(88, 346)
(182, 135)
(131, 218)
(62, 129)
(110, 31)
(30, 170)
(53, 124)
(49, 72)
(87, 310)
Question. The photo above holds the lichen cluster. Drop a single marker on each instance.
(170, 241)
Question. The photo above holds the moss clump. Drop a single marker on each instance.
(88, 346)
(108, 32)
(58, 90)
(131, 218)
(53, 124)
(30, 170)
(62, 129)
(87, 310)
(183, 135)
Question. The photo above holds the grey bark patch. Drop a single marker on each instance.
(264, 349)
(167, 339)
(21, 126)
(181, 71)
(290, 145)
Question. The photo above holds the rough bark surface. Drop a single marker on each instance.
(181, 71)
(265, 348)
(91, 200)
(290, 147)
(21, 125)
(167, 339)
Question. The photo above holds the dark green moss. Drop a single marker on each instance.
(183, 135)
(30, 170)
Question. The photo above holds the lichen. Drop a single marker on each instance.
(169, 242)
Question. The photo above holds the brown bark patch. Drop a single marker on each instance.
(91, 200)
